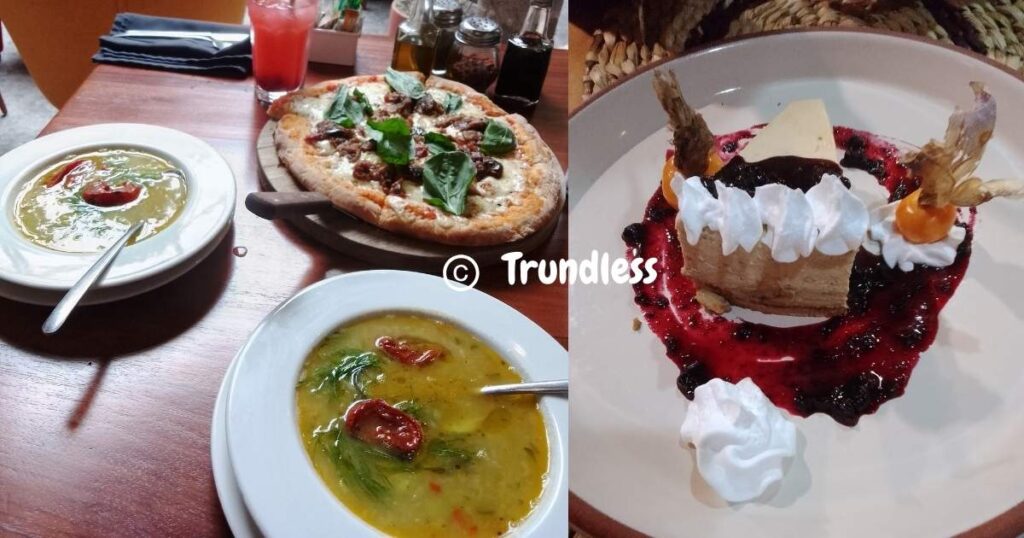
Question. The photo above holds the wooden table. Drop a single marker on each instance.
(105, 427)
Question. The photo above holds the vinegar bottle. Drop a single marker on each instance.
(525, 65)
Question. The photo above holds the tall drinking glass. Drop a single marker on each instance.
(280, 45)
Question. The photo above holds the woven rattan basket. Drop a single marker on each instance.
(993, 28)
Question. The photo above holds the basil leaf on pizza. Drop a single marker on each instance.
(404, 84)
(349, 108)
(438, 143)
(360, 98)
(452, 103)
(393, 138)
(446, 180)
(498, 139)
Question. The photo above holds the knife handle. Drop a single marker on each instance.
(280, 205)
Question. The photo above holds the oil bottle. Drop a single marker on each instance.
(415, 40)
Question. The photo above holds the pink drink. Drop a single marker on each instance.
(280, 44)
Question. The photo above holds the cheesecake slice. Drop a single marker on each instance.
(802, 129)
(815, 285)
(776, 229)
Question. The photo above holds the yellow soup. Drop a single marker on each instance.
(481, 464)
(86, 202)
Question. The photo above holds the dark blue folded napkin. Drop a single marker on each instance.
(198, 56)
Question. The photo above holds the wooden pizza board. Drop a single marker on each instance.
(366, 242)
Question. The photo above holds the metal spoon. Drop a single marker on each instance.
(70, 301)
(559, 388)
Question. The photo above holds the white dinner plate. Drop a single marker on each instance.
(943, 458)
(235, 512)
(279, 484)
(35, 274)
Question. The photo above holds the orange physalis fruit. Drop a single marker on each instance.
(923, 224)
(714, 163)
(667, 173)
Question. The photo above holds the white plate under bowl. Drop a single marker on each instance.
(281, 489)
(235, 512)
(34, 274)
(942, 458)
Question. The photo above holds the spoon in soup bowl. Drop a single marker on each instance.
(556, 388)
(92, 275)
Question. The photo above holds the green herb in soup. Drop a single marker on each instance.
(86, 202)
(390, 414)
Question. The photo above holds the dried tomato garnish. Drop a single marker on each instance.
(409, 351)
(377, 423)
(68, 168)
(100, 193)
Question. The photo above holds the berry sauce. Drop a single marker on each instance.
(793, 172)
(846, 366)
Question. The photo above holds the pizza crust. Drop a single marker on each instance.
(283, 104)
(535, 203)
(306, 166)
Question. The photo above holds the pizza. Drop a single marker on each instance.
(429, 158)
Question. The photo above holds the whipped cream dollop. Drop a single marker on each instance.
(789, 222)
(742, 440)
(827, 218)
(885, 240)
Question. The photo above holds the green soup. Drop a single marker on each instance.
(480, 467)
(86, 202)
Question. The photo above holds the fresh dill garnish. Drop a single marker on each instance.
(359, 465)
(411, 408)
(415, 409)
(445, 454)
(347, 365)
